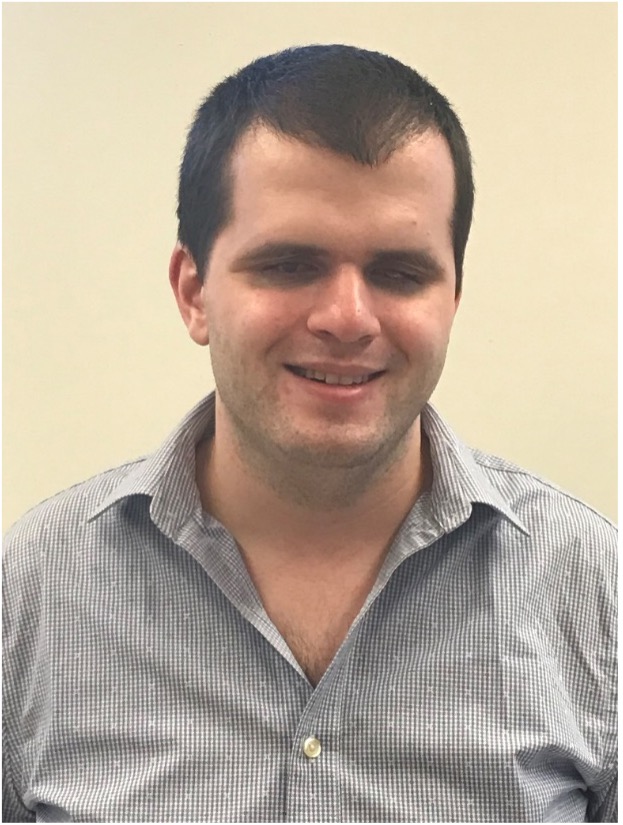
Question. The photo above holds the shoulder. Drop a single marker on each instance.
(50, 560)
(553, 519)
(61, 518)
(543, 506)
(567, 557)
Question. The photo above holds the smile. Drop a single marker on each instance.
(331, 378)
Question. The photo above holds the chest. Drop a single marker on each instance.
(441, 710)
(313, 607)
(314, 624)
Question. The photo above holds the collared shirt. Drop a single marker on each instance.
(144, 680)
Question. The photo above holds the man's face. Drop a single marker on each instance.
(336, 271)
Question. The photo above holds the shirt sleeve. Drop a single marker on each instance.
(21, 591)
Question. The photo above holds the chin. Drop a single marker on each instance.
(336, 453)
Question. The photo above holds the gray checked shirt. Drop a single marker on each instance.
(145, 682)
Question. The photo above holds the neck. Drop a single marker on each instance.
(321, 508)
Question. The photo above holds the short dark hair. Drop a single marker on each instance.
(355, 102)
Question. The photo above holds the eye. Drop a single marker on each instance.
(291, 270)
(396, 279)
(288, 267)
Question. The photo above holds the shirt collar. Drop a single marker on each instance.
(168, 476)
(458, 479)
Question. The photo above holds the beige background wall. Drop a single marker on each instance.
(97, 98)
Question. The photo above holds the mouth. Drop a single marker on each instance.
(334, 379)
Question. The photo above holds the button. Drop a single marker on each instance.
(311, 747)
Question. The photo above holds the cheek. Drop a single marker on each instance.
(270, 313)
(423, 332)
(248, 327)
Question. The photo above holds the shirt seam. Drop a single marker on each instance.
(519, 471)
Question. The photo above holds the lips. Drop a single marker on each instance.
(345, 379)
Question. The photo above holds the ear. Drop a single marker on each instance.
(188, 291)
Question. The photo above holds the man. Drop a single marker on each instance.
(313, 603)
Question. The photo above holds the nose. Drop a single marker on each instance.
(343, 308)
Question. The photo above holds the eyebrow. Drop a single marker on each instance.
(276, 250)
(420, 259)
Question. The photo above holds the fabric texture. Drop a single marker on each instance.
(145, 682)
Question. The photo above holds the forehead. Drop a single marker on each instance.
(282, 185)
(262, 151)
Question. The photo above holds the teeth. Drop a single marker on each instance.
(328, 378)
